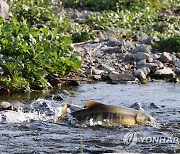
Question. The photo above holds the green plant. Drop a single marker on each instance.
(170, 44)
(35, 47)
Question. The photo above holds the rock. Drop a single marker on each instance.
(142, 48)
(166, 73)
(4, 10)
(107, 68)
(114, 42)
(141, 37)
(120, 78)
(178, 54)
(177, 63)
(154, 106)
(152, 66)
(137, 106)
(141, 55)
(150, 59)
(97, 71)
(129, 57)
(5, 105)
(159, 64)
(143, 61)
(177, 72)
(142, 73)
(57, 97)
(151, 40)
(139, 74)
(17, 105)
(1, 71)
(129, 45)
(96, 77)
(165, 57)
(111, 50)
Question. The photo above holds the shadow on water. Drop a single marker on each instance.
(36, 132)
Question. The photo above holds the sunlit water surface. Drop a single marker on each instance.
(34, 131)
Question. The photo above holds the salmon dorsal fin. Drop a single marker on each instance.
(90, 104)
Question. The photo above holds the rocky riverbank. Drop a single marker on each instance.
(119, 60)
(125, 60)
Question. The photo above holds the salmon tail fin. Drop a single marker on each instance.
(62, 113)
(90, 104)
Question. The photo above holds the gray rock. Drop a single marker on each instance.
(151, 40)
(129, 57)
(140, 62)
(141, 55)
(139, 74)
(159, 64)
(96, 77)
(141, 37)
(1, 71)
(166, 73)
(137, 106)
(97, 71)
(142, 48)
(129, 45)
(120, 78)
(152, 66)
(150, 59)
(165, 57)
(142, 73)
(177, 63)
(111, 50)
(177, 72)
(114, 42)
(4, 10)
(106, 68)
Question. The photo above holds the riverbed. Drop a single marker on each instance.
(35, 131)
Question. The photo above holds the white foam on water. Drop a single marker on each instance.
(19, 116)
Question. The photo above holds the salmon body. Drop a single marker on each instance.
(110, 115)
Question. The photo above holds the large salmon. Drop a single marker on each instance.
(108, 115)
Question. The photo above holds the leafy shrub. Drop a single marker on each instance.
(170, 44)
(34, 46)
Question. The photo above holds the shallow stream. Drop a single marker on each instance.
(35, 131)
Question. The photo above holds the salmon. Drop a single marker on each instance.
(108, 115)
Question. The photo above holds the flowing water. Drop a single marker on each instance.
(33, 130)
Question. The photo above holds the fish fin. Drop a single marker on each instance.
(90, 104)
(64, 110)
(62, 113)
